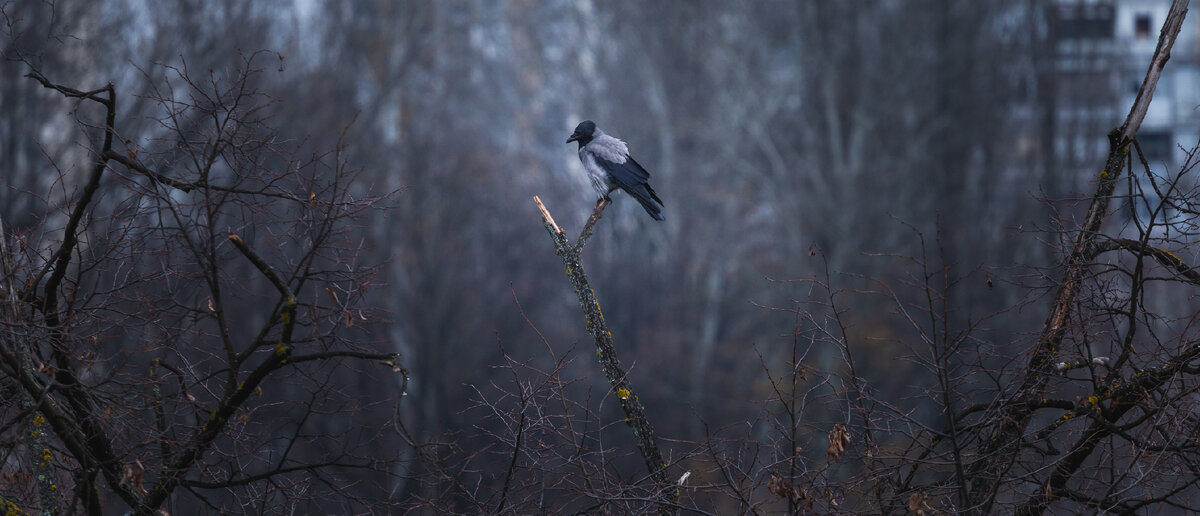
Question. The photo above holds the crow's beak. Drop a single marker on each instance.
(573, 138)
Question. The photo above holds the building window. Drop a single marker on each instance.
(1156, 146)
(1141, 25)
(1095, 21)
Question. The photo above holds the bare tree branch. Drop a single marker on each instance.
(610, 365)
(997, 454)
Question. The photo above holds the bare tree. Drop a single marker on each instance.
(1015, 416)
(176, 339)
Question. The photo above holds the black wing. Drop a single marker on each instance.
(631, 177)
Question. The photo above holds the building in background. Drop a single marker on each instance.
(1102, 49)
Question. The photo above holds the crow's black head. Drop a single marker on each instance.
(583, 133)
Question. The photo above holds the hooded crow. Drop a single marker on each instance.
(609, 166)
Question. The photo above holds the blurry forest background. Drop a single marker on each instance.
(787, 139)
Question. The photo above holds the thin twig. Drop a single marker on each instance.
(597, 212)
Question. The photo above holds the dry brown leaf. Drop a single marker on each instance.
(918, 503)
(777, 487)
(839, 438)
(131, 476)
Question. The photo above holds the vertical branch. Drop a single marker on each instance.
(57, 265)
(610, 365)
(99, 455)
(34, 422)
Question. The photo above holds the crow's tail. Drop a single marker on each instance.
(649, 200)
